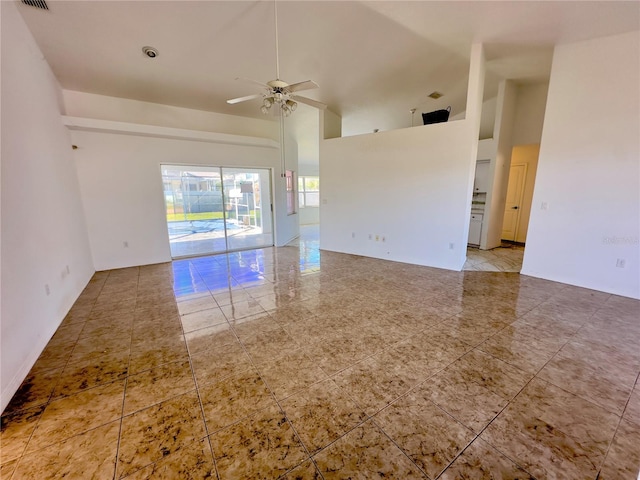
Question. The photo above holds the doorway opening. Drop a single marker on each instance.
(217, 209)
(509, 255)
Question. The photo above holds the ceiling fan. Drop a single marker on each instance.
(279, 93)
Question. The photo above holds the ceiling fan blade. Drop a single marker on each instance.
(255, 82)
(308, 101)
(306, 85)
(244, 99)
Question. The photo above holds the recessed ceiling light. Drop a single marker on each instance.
(150, 52)
(435, 95)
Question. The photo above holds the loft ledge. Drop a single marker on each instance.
(125, 128)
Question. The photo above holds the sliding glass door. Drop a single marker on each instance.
(217, 209)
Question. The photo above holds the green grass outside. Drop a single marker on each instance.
(181, 217)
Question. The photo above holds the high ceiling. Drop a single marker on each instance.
(374, 61)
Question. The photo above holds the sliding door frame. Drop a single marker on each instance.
(268, 204)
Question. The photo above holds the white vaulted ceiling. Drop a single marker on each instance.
(374, 61)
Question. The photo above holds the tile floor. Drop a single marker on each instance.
(506, 258)
(295, 363)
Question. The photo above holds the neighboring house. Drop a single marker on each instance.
(75, 211)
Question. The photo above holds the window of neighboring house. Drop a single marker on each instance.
(291, 192)
(308, 192)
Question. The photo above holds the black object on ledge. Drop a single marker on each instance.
(437, 116)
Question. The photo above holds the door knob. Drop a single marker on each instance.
(515, 208)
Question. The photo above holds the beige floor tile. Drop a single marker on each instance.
(216, 364)
(145, 356)
(202, 319)
(321, 414)
(335, 353)
(241, 309)
(53, 358)
(91, 348)
(428, 435)
(607, 387)
(7, 468)
(290, 373)
(306, 471)
(522, 351)
(632, 410)
(91, 454)
(267, 345)
(35, 390)
(481, 461)
(261, 446)
(472, 404)
(210, 338)
(539, 431)
(489, 372)
(371, 384)
(119, 323)
(623, 457)
(191, 305)
(157, 385)
(67, 334)
(193, 461)
(91, 372)
(437, 357)
(75, 414)
(365, 452)
(153, 433)
(16, 430)
(233, 398)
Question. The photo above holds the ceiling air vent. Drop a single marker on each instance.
(434, 95)
(36, 3)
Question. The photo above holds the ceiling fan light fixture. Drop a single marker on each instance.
(292, 105)
(267, 102)
(264, 109)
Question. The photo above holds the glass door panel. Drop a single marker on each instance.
(247, 198)
(214, 210)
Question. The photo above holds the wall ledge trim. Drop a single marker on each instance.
(125, 128)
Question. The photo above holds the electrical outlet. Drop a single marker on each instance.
(47, 290)
(68, 270)
(353, 234)
(384, 239)
(125, 244)
(544, 206)
(451, 246)
(370, 236)
(620, 262)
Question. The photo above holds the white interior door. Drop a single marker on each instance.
(513, 205)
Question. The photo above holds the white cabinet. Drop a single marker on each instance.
(481, 182)
(475, 229)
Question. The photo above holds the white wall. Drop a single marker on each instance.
(89, 105)
(43, 229)
(529, 116)
(122, 192)
(499, 167)
(589, 169)
(411, 186)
